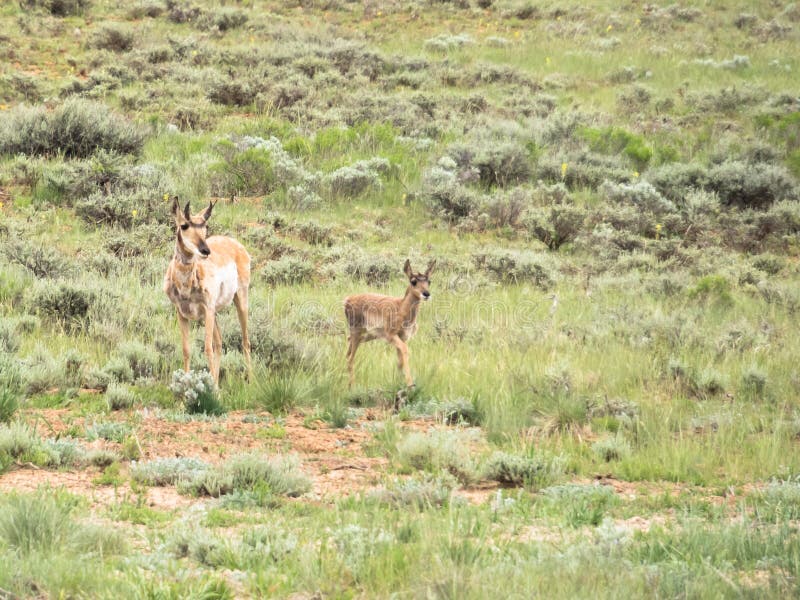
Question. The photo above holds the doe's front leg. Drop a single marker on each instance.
(209, 344)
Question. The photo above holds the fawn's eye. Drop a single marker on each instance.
(185, 226)
(413, 282)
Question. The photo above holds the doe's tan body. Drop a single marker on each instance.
(204, 276)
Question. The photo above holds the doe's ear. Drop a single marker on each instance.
(407, 269)
(431, 266)
(187, 212)
(207, 213)
(176, 209)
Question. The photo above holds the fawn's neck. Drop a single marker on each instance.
(409, 306)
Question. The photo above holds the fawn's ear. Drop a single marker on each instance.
(187, 212)
(407, 269)
(207, 213)
(431, 266)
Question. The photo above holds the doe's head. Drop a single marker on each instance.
(192, 229)
(419, 281)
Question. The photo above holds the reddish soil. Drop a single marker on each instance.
(334, 459)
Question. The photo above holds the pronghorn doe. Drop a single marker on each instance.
(373, 316)
(205, 275)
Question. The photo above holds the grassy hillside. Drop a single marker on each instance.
(607, 375)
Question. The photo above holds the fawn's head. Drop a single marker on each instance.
(419, 282)
(192, 230)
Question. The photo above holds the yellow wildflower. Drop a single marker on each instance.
(563, 170)
(166, 197)
(636, 174)
(609, 28)
(547, 60)
(135, 213)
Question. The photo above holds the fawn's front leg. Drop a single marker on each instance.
(402, 354)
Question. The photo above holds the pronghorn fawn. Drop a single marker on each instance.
(373, 316)
(205, 275)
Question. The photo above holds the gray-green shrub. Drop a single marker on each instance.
(76, 128)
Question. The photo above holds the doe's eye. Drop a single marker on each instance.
(185, 226)
(413, 282)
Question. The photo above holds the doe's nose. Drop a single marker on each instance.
(426, 294)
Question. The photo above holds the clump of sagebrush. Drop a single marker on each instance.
(353, 180)
(612, 448)
(75, 129)
(223, 19)
(356, 545)
(457, 411)
(554, 225)
(123, 208)
(197, 392)
(751, 185)
(273, 348)
(113, 431)
(754, 382)
(445, 42)
(420, 492)
(43, 371)
(143, 360)
(439, 450)
(19, 441)
(40, 259)
(314, 233)
(119, 397)
(583, 169)
(167, 471)
(373, 269)
(199, 544)
(247, 171)
(516, 469)
(231, 92)
(640, 194)
(288, 270)
(9, 403)
(447, 197)
(779, 502)
(64, 302)
(146, 8)
(513, 266)
(59, 8)
(40, 522)
(117, 38)
(280, 475)
(581, 504)
(613, 140)
(11, 385)
(9, 337)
